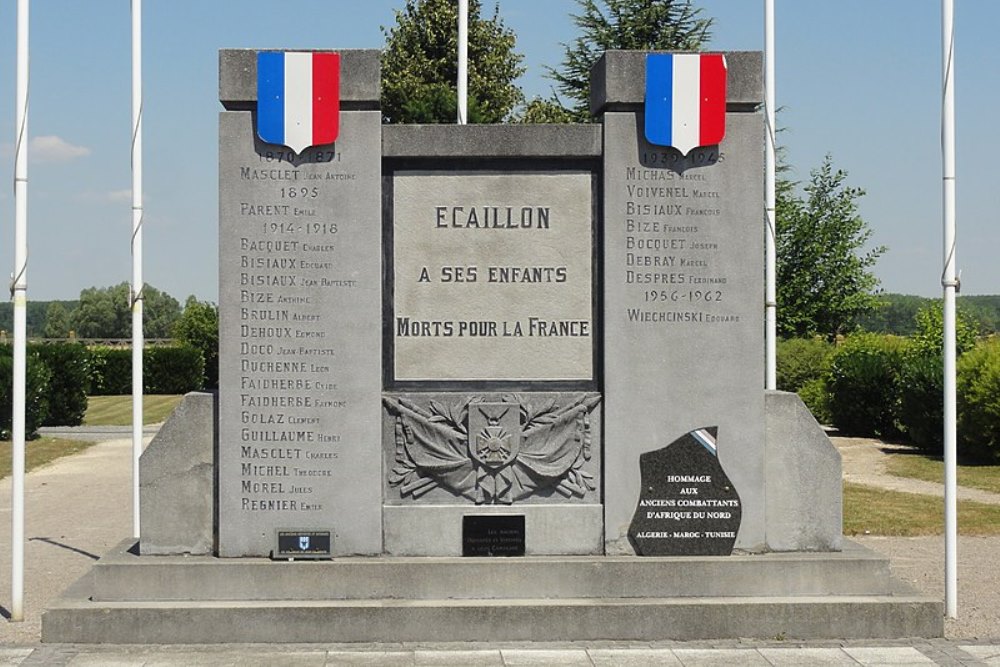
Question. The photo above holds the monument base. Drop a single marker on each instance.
(128, 599)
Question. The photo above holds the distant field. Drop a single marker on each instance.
(117, 410)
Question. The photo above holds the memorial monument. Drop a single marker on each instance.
(509, 372)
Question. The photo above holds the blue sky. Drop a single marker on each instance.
(858, 79)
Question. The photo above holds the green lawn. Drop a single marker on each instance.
(39, 452)
(931, 469)
(870, 511)
(117, 410)
(101, 411)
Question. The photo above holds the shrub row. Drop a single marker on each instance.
(167, 369)
(891, 387)
(60, 376)
(36, 399)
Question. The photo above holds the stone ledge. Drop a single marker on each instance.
(360, 85)
(618, 81)
(485, 141)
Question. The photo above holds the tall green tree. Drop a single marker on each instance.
(105, 312)
(675, 25)
(420, 65)
(824, 278)
(56, 321)
(198, 326)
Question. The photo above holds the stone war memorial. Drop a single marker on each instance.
(490, 382)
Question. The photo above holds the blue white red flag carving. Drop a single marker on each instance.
(298, 98)
(685, 99)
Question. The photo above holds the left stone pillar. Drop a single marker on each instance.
(300, 308)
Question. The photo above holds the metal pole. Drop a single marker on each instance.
(950, 283)
(770, 242)
(19, 292)
(463, 62)
(137, 284)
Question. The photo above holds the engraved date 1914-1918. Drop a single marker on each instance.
(314, 228)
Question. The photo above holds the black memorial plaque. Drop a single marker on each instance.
(302, 544)
(493, 535)
(687, 505)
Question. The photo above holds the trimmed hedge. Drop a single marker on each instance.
(111, 370)
(864, 385)
(921, 409)
(803, 364)
(801, 360)
(173, 369)
(167, 369)
(921, 376)
(69, 366)
(36, 398)
(979, 400)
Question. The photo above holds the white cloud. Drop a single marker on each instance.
(50, 148)
(119, 196)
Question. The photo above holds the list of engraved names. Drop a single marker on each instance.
(672, 208)
(290, 275)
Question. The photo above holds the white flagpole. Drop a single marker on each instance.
(463, 62)
(950, 284)
(19, 292)
(137, 284)
(770, 242)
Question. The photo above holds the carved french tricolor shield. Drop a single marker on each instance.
(298, 98)
(685, 99)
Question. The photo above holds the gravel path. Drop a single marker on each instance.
(919, 561)
(76, 510)
(865, 461)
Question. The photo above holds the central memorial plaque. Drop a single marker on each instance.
(492, 276)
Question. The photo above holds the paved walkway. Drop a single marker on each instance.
(78, 508)
(920, 652)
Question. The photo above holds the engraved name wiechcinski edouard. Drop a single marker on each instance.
(687, 504)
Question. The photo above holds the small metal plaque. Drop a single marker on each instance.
(298, 544)
(493, 535)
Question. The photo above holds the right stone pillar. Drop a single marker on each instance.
(683, 347)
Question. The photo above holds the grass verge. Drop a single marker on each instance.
(39, 452)
(930, 469)
(871, 511)
(117, 410)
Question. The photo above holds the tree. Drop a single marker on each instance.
(106, 312)
(824, 282)
(56, 321)
(623, 24)
(198, 326)
(420, 68)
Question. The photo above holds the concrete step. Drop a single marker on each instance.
(567, 619)
(124, 576)
(132, 599)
